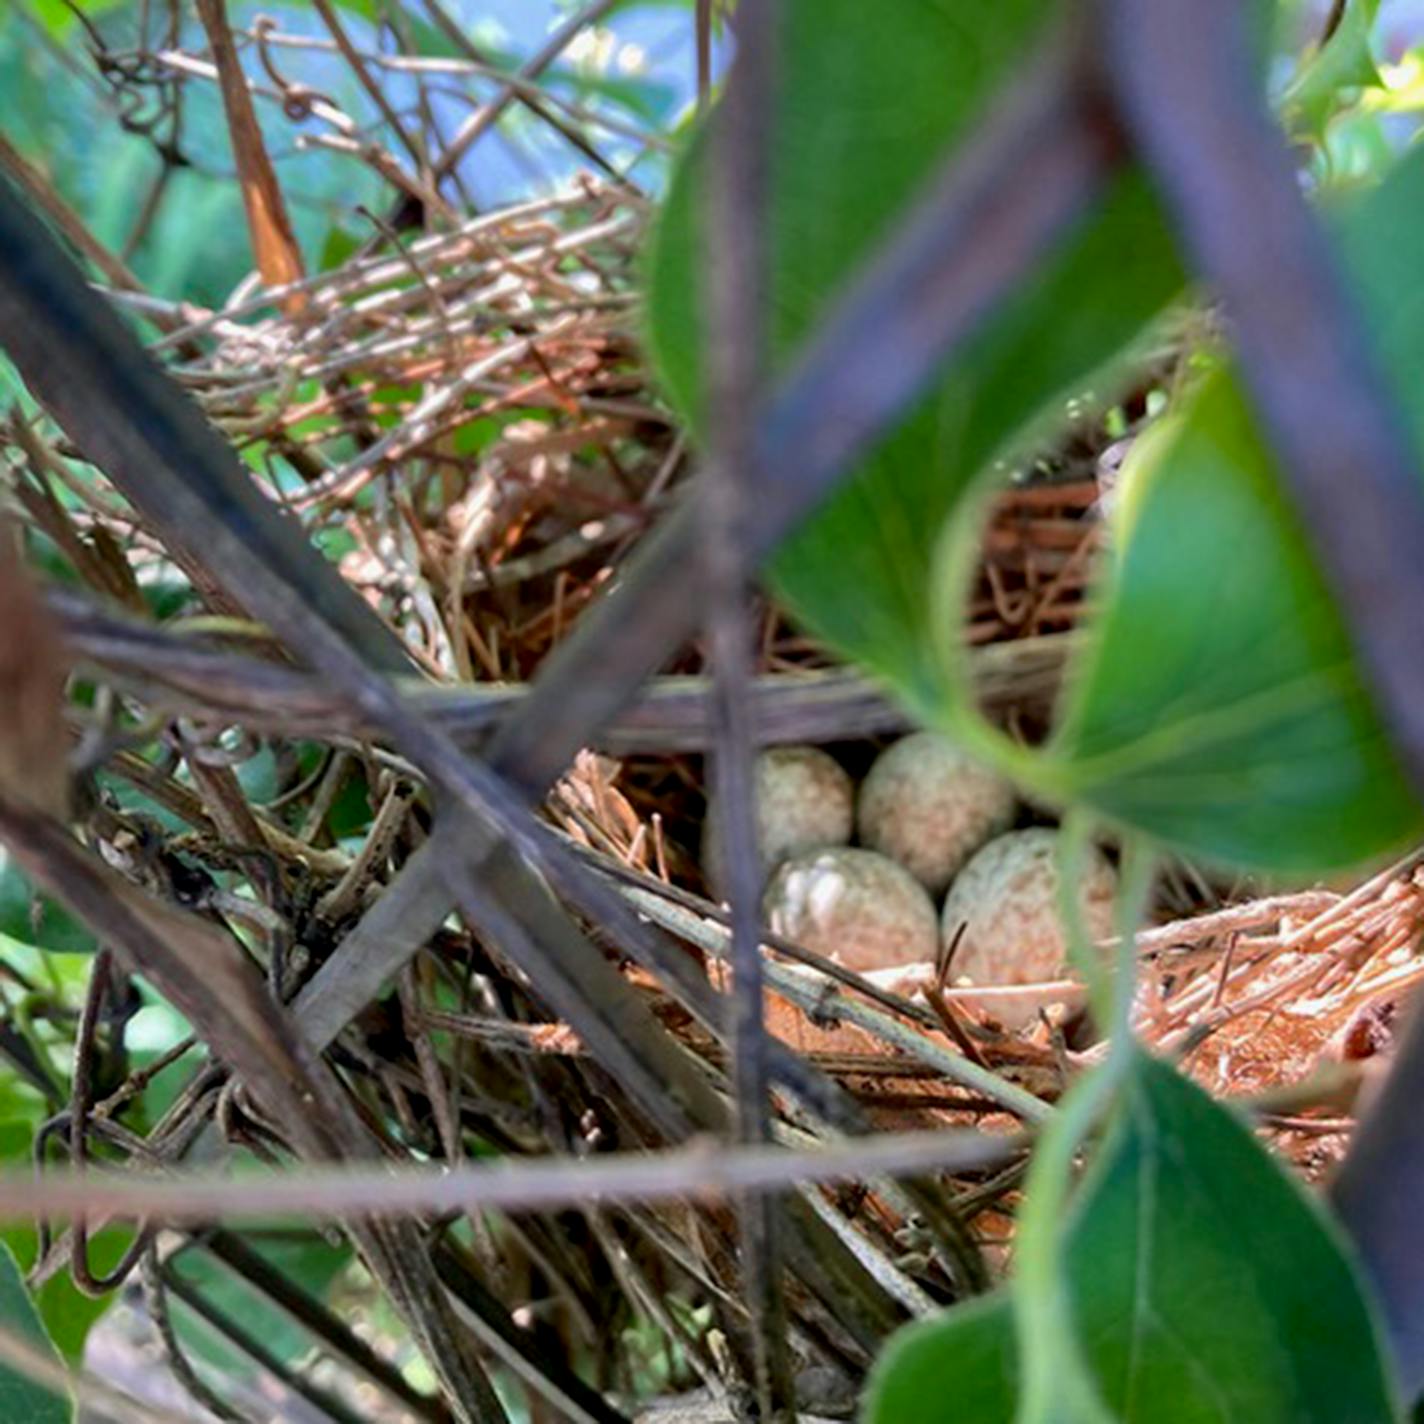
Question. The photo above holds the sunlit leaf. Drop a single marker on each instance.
(1343, 63)
(58, 17)
(651, 100)
(865, 112)
(1219, 707)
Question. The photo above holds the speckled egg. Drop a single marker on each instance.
(930, 807)
(1007, 899)
(804, 800)
(855, 906)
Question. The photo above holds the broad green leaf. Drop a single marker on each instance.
(867, 109)
(21, 1398)
(1343, 63)
(1207, 1288)
(1219, 707)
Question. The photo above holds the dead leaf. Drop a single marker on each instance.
(274, 246)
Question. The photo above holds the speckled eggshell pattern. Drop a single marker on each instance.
(929, 806)
(804, 800)
(1006, 896)
(854, 906)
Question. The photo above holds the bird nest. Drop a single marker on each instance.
(465, 426)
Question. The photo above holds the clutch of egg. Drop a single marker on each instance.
(928, 818)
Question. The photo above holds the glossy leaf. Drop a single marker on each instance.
(1206, 1287)
(865, 112)
(1219, 707)
(22, 1398)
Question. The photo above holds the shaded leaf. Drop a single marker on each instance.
(1206, 1287)
(1219, 707)
(865, 113)
(34, 918)
(308, 1260)
(22, 1398)
(65, 1311)
(1242, 1302)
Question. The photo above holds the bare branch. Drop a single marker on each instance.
(707, 1171)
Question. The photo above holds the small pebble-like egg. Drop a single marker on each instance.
(804, 800)
(855, 906)
(929, 806)
(1006, 898)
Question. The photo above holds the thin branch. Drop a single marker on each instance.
(736, 215)
(131, 420)
(320, 1322)
(707, 1171)
(206, 976)
(274, 244)
(534, 100)
(671, 714)
(48, 199)
(374, 92)
(484, 118)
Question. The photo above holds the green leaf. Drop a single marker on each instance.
(66, 1312)
(1207, 1288)
(338, 244)
(21, 1398)
(308, 1259)
(1343, 63)
(1218, 707)
(961, 1366)
(866, 111)
(35, 919)
(1242, 1302)
(58, 17)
